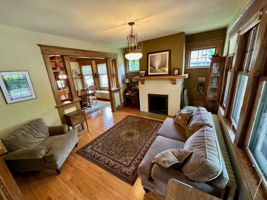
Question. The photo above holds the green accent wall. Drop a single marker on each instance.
(176, 43)
(192, 81)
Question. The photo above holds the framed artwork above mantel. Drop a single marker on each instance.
(158, 63)
(16, 86)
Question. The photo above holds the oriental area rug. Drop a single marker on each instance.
(120, 149)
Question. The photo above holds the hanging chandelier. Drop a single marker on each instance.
(134, 50)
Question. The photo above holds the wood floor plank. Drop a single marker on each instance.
(81, 179)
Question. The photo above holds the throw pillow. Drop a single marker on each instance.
(205, 163)
(171, 157)
(182, 118)
(200, 118)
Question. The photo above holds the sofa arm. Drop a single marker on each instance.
(178, 190)
(36, 152)
(58, 130)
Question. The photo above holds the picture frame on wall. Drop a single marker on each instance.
(16, 86)
(158, 63)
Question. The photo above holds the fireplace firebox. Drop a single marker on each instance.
(158, 103)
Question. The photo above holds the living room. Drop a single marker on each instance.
(118, 105)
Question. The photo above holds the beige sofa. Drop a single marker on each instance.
(170, 136)
(36, 147)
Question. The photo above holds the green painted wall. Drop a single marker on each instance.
(192, 81)
(176, 43)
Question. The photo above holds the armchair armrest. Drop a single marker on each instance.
(178, 190)
(58, 130)
(36, 152)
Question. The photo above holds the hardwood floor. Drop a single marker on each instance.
(80, 178)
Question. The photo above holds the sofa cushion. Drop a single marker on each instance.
(182, 118)
(160, 144)
(171, 130)
(27, 135)
(201, 117)
(58, 145)
(171, 157)
(205, 162)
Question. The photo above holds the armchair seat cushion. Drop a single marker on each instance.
(172, 130)
(160, 144)
(36, 152)
(58, 145)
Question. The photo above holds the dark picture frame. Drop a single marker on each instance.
(158, 63)
(16, 86)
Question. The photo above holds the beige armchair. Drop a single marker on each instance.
(37, 147)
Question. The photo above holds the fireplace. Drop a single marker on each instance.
(158, 103)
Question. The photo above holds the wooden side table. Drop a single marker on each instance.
(75, 118)
(181, 191)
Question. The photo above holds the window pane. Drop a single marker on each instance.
(102, 68)
(201, 57)
(89, 80)
(134, 65)
(87, 69)
(258, 141)
(239, 97)
(227, 87)
(103, 81)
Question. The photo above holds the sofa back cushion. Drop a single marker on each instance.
(205, 163)
(26, 136)
(201, 117)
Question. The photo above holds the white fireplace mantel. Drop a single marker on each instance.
(162, 86)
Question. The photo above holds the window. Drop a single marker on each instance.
(258, 141)
(248, 40)
(249, 48)
(103, 77)
(229, 73)
(200, 58)
(239, 97)
(88, 76)
(133, 65)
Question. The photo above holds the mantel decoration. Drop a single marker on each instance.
(16, 86)
(158, 63)
(134, 50)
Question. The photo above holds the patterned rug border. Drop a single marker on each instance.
(105, 167)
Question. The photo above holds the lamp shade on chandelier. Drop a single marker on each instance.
(134, 50)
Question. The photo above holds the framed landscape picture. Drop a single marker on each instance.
(158, 63)
(16, 86)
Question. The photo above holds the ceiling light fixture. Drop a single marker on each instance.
(134, 50)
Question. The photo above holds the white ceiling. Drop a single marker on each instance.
(106, 20)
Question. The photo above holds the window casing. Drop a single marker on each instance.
(103, 76)
(227, 85)
(200, 58)
(133, 65)
(88, 76)
(257, 146)
(239, 98)
(243, 73)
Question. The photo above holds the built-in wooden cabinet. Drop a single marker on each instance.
(214, 85)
